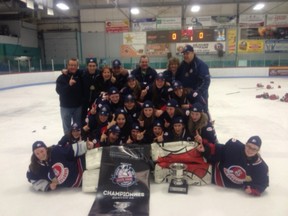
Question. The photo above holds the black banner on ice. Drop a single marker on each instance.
(124, 187)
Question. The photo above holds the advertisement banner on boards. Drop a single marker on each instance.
(202, 47)
(157, 49)
(132, 50)
(251, 46)
(278, 71)
(231, 36)
(276, 46)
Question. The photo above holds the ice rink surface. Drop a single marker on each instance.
(32, 113)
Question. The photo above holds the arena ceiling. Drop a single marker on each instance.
(15, 9)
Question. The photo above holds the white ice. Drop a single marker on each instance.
(32, 113)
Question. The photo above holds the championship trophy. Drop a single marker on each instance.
(178, 184)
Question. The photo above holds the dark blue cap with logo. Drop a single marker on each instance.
(116, 63)
(172, 103)
(188, 48)
(114, 129)
(113, 90)
(197, 107)
(157, 123)
(160, 76)
(92, 60)
(131, 77)
(148, 104)
(129, 98)
(255, 140)
(120, 111)
(177, 120)
(176, 85)
(38, 144)
(75, 126)
(135, 126)
(104, 111)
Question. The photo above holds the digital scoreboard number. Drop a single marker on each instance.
(163, 36)
(178, 36)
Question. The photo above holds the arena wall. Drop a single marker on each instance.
(16, 80)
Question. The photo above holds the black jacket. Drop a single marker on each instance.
(69, 96)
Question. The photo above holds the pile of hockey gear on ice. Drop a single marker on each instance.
(270, 96)
(284, 98)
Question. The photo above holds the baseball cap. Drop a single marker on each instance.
(131, 77)
(75, 126)
(176, 85)
(135, 126)
(255, 140)
(148, 104)
(113, 90)
(197, 107)
(177, 120)
(129, 98)
(160, 76)
(104, 111)
(172, 103)
(119, 111)
(157, 123)
(114, 129)
(91, 60)
(38, 144)
(116, 63)
(188, 48)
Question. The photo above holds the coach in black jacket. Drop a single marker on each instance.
(69, 88)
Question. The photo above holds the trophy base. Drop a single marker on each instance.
(176, 188)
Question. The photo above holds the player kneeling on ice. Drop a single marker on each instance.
(238, 165)
(55, 166)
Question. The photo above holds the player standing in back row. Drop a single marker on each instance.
(194, 74)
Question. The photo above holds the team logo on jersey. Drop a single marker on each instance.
(124, 175)
(236, 174)
(60, 172)
(209, 129)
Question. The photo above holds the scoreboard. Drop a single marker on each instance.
(178, 36)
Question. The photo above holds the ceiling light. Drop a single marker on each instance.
(62, 6)
(50, 11)
(195, 8)
(134, 11)
(258, 6)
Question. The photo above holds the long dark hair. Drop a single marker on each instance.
(136, 91)
(148, 122)
(35, 163)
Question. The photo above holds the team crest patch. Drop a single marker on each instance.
(209, 129)
(124, 175)
(236, 174)
(60, 172)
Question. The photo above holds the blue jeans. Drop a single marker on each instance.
(70, 116)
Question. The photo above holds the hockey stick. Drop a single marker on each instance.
(233, 93)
